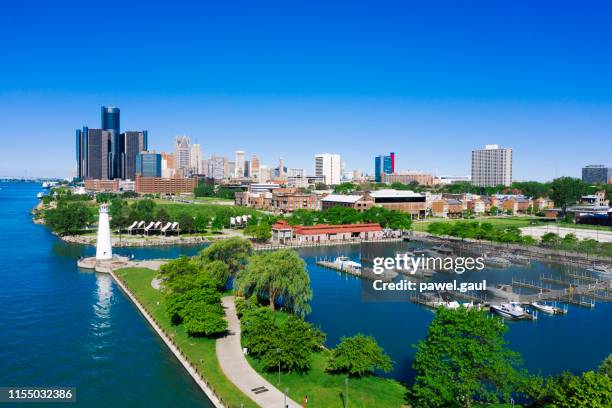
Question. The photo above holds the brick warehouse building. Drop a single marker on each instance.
(282, 231)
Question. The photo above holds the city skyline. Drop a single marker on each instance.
(416, 80)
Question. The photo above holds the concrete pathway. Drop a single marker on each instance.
(598, 235)
(237, 369)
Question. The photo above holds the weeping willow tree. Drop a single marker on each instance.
(280, 277)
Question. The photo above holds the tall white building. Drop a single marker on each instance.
(239, 164)
(182, 154)
(296, 172)
(216, 167)
(329, 166)
(492, 166)
(195, 159)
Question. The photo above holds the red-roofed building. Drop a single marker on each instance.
(325, 232)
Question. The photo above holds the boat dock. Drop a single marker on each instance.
(366, 273)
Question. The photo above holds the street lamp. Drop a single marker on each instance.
(285, 403)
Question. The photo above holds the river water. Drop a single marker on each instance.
(63, 327)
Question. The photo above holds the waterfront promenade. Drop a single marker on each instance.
(238, 370)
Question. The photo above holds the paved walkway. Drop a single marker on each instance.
(237, 369)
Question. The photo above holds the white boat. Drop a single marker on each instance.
(601, 268)
(448, 305)
(345, 263)
(503, 291)
(543, 307)
(40, 195)
(509, 310)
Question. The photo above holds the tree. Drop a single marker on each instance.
(606, 366)
(566, 191)
(260, 232)
(217, 224)
(341, 215)
(162, 215)
(218, 271)
(358, 356)
(179, 274)
(204, 189)
(201, 223)
(278, 275)
(234, 252)
(550, 239)
(464, 358)
(199, 309)
(590, 390)
(345, 188)
(69, 218)
(186, 223)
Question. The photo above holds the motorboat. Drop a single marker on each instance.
(509, 310)
(503, 291)
(345, 263)
(601, 268)
(543, 307)
(40, 195)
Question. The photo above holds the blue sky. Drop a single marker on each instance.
(291, 79)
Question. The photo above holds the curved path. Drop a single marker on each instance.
(239, 371)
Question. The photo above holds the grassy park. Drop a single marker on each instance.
(199, 350)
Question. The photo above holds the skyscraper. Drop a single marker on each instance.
(182, 154)
(383, 165)
(133, 143)
(216, 167)
(492, 166)
(597, 173)
(329, 166)
(106, 153)
(239, 164)
(149, 164)
(195, 159)
(254, 171)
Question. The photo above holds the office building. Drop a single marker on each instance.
(408, 177)
(254, 168)
(597, 173)
(239, 164)
(329, 166)
(182, 154)
(133, 142)
(149, 164)
(383, 165)
(216, 167)
(105, 153)
(492, 166)
(158, 185)
(195, 159)
(296, 173)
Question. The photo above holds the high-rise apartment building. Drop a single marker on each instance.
(149, 164)
(106, 153)
(296, 172)
(597, 173)
(330, 167)
(254, 167)
(383, 165)
(492, 166)
(239, 164)
(195, 159)
(217, 167)
(182, 154)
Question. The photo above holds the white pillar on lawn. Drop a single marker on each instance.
(104, 248)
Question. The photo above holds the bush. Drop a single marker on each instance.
(358, 356)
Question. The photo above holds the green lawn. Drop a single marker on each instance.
(326, 390)
(208, 210)
(200, 351)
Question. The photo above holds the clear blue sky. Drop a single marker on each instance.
(291, 79)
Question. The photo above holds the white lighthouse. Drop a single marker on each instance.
(104, 250)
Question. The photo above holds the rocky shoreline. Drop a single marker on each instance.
(125, 242)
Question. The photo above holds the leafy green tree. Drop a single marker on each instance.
(606, 366)
(69, 218)
(303, 217)
(565, 191)
(358, 356)
(590, 390)
(341, 215)
(570, 240)
(218, 271)
(345, 188)
(162, 215)
(234, 252)
(260, 232)
(204, 189)
(201, 223)
(204, 319)
(143, 210)
(550, 239)
(119, 214)
(179, 274)
(277, 275)
(186, 223)
(464, 359)
(217, 224)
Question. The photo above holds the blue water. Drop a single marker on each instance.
(577, 342)
(63, 327)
